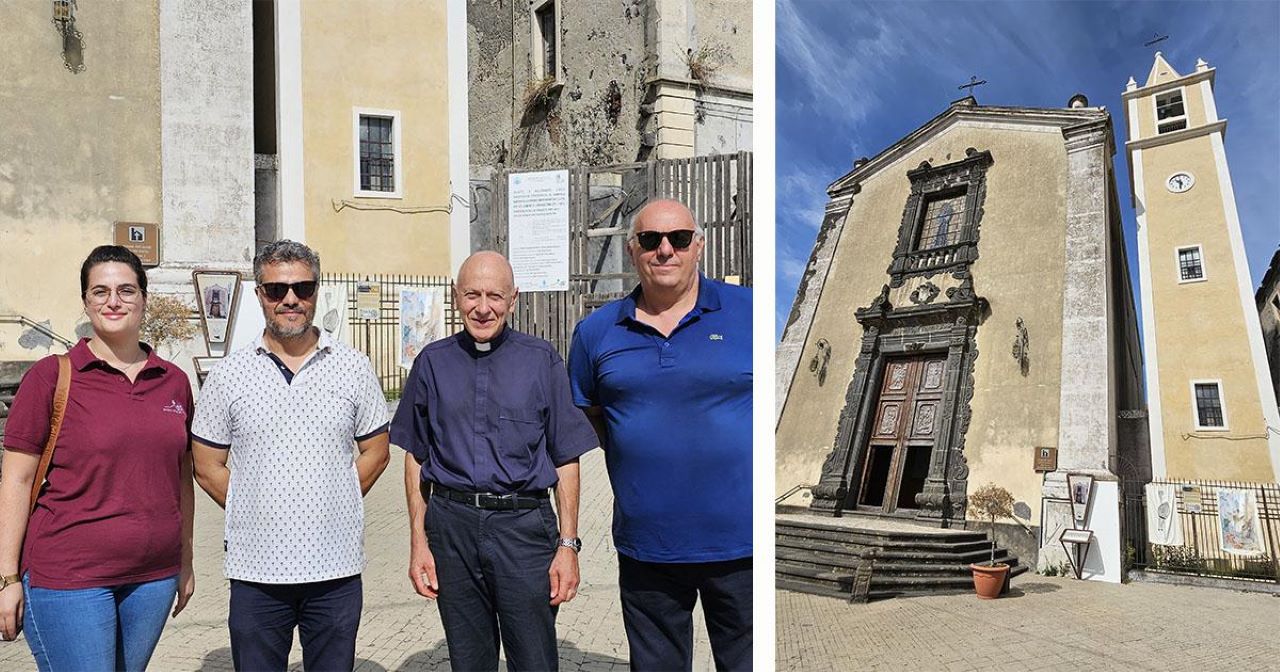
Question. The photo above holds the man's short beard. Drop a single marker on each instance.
(283, 333)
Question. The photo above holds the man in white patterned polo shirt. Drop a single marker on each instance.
(304, 421)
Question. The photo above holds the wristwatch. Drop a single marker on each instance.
(6, 581)
(574, 543)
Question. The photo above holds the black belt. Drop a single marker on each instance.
(488, 500)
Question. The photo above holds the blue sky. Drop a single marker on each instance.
(854, 77)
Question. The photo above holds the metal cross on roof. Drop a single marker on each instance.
(1157, 37)
(973, 81)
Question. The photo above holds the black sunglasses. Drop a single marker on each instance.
(650, 240)
(276, 291)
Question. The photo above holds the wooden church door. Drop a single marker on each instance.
(896, 458)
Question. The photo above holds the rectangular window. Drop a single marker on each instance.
(1209, 406)
(1169, 105)
(941, 221)
(1171, 114)
(376, 146)
(546, 45)
(1190, 265)
(377, 155)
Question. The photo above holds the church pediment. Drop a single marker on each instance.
(962, 112)
(1161, 71)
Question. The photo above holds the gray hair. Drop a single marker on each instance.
(283, 252)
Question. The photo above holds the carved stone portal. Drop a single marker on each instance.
(944, 332)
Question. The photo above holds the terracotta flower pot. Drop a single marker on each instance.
(988, 581)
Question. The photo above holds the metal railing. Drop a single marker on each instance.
(1202, 552)
(378, 337)
(28, 322)
(792, 491)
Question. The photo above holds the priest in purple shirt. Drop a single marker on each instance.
(489, 426)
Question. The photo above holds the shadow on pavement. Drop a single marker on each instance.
(436, 659)
(429, 660)
(219, 660)
(1032, 589)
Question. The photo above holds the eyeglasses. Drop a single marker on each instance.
(650, 240)
(276, 291)
(101, 295)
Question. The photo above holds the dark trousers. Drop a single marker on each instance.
(492, 569)
(657, 611)
(326, 613)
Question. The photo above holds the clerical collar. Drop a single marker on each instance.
(486, 347)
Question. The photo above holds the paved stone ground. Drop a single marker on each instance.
(1045, 623)
(401, 631)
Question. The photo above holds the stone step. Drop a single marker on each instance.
(886, 587)
(933, 568)
(792, 537)
(792, 545)
(810, 589)
(925, 534)
(964, 557)
(818, 576)
(887, 581)
(825, 557)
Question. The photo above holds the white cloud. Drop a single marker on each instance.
(841, 71)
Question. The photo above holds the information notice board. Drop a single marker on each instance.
(538, 230)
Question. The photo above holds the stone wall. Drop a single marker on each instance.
(591, 118)
(625, 90)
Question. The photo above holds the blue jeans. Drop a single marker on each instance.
(113, 628)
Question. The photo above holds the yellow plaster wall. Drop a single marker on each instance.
(390, 55)
(80, 152)
(1200, 328)
(1019, 270)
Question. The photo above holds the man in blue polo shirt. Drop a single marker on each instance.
(665, 376)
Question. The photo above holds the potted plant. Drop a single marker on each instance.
(990, 502)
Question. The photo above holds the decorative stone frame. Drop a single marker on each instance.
(949, 327)
(928, 181)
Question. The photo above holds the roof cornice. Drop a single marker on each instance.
(1175, 136)
(1192, 78)
(964, 111)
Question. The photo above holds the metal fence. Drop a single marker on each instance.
(378, 338)
(1196, 511)
(602, 201)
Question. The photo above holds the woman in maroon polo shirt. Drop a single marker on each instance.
(108, 546)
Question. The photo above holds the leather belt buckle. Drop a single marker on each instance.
(503, 502)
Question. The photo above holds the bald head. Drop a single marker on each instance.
(488, 265)
(484, 293)
(665, 214)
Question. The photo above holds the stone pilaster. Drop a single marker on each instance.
(1087, 410)
(206, 138)
(796, 334)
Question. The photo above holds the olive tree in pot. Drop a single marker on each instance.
(990, 502)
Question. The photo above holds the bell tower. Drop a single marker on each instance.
(1212, 412)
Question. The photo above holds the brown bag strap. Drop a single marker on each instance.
(55, 425)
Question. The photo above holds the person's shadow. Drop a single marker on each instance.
(436, 659)
(219, 660)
